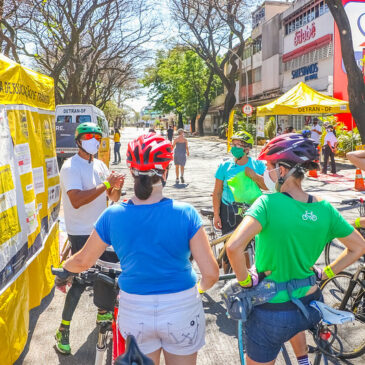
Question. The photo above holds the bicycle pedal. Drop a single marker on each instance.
(312, 349)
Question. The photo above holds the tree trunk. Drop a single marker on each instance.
(192, 123)
(356, 86)
(180, 123)
(229, 103)
(204, 112)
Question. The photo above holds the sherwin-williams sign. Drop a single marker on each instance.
(309, 72)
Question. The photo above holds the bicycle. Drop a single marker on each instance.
(218, 243)
(324, 335)
(103, 278)
(334, 248)
(346, 291)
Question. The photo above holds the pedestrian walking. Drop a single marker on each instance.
(84, 181)
(181, 151)
(159, 294)
(316, 132)
(170, 133)
(116, 147)
(330, 144)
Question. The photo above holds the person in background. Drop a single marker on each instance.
(330, 144)
(116, 147)
(279, 131)
(316, 132)
(85, 184)
(170, 133)
(181, 151)
(289, 130)
(224, 207)
(159, 299)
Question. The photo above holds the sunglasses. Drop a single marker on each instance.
(88, 136)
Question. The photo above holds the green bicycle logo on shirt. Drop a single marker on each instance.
(310, 216)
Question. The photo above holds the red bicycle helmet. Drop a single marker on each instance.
(291, 147)
(148, 152)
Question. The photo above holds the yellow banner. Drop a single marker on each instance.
(230, 129)
(360, 147)
(21, 85)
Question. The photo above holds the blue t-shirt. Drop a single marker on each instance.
(228, 169)
(152, 244)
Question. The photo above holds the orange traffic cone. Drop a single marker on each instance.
(359, 181)
(312, 173)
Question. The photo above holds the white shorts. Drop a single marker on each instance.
(174, 322)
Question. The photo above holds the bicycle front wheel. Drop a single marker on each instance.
(350, 341)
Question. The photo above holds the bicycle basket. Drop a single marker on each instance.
(105, 292)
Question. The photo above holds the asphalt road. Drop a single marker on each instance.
(221, 340)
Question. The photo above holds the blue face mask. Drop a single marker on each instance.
(237, 152)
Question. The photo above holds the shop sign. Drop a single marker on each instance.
(305, 34)
(309, 72)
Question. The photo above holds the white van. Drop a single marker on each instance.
(68, 117)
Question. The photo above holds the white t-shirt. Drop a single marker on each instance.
(330, 137)
(314, 135)
(77, 173)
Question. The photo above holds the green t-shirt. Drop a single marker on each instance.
(293, 236)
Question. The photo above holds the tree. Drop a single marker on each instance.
(90, 48)
(180, 82)
(356, 85)
(211, 27)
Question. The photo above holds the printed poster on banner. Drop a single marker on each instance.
(13, 227)
(260, 127)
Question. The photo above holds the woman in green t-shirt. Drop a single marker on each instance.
(292, 229)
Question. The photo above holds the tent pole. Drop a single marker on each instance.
(276, 125)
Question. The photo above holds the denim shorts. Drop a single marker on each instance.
(267, 329)
(174, 322)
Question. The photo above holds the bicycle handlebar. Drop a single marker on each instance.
(61, 273)
(352, 201)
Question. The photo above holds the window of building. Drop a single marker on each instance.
(309, 58)
(257, 74)
(249, 78)
(306, 17)
(256, 45)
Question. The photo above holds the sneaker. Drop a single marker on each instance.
(106, 317)
(62, 341)
(182, 179)
(177, 181)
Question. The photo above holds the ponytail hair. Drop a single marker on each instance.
(143, 185)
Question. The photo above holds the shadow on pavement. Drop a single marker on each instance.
(33, 318)
(215, 308)
(85, 355)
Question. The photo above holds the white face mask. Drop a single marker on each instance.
(270, 184)
(90, 146)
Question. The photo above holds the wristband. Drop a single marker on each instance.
(247, 281)
(328, 271)
(357, 223)
(200, 290)
(107, 184)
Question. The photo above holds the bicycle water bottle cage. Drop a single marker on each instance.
(331, 315)
(133, 354)
(240, 301)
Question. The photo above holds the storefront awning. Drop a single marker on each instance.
(302, 99)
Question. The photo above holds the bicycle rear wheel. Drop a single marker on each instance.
(350, 338)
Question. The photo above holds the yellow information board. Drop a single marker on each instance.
(29, 200)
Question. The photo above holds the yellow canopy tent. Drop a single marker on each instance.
(302, 99)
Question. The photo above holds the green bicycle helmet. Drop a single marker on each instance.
(87, 128)
(244, 137)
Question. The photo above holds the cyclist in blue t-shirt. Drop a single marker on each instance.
(153, 237)
(225, 210)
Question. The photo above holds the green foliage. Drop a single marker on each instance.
(347, 140)
(112, 111)
(270, 128)
(177, 81)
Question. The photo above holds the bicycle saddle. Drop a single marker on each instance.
(331, 315)
(133, 355)
(206, 212)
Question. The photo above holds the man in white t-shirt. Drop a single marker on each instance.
(85, 184)
(330, 144)
(316, 132)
